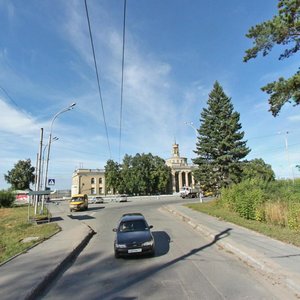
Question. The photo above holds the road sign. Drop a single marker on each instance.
(32, 193)
(51, 181)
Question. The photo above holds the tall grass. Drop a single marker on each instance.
(276, 203)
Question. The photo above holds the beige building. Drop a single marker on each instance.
(92, 181)
(182, 172)
(88, 181)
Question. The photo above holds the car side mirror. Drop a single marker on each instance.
(151, 226)
(114, 230)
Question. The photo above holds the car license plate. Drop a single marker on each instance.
(135, 250)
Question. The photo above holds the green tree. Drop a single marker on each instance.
(283, 29)
(143, 174)
(21, 176)
(128, 182)
(112, 176)
(161, 176)
(219, 147)
(257, 168)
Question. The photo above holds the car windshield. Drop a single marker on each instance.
(76, 199)
(135, 225)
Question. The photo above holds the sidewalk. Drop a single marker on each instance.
(279, 261)
(26, 275)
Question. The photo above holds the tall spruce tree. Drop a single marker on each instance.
(219, 147)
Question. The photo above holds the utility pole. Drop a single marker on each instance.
(39, 170)
(288, 155)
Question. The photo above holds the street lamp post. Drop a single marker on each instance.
(70, 107)
(191, 124)
(43, 161)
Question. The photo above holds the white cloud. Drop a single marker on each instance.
(295, 118)
(16, 122)
(149, 107)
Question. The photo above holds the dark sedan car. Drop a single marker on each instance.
(133, 236)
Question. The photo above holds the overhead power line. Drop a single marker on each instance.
(10, 98)
(97, 75)
(122, 80)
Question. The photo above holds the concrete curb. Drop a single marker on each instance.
(254, 260)
(38, 290)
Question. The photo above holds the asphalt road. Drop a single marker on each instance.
(186, 265)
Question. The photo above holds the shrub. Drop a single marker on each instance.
(245, 198)
(294, 216)
(6, 199)
(260, 213)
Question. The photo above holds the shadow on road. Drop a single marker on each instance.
(81, 217)
(96, 208)
(56, 219)
(162, 242)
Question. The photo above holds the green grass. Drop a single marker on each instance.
(277, 232)
(14, 227)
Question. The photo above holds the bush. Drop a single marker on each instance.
(7, 199)
(245, 198)
(294, 216)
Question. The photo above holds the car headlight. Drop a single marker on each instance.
(149, 243)
(120, 246)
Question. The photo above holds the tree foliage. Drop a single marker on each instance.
(7, 198)
(112, 175)
(21, 176)
(257, 168)
(219, 147)
(142, 174)
(283, 29)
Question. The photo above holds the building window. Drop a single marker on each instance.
(93, 180)
(100, 190)
(93, 192)
(100, 180)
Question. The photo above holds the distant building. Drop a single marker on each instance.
(92, 181)
(182, 172)
(88, 181)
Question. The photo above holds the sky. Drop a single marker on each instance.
(174, 51)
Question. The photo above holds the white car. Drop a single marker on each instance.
(96, 199)
(121, 198)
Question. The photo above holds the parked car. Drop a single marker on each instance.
(133, 236)
(96, 199)
(121, 198)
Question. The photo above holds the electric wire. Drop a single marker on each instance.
(97, 75)
(9, 97)
(122, 81)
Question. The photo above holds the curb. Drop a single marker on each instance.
(258, 264)
(38, 290)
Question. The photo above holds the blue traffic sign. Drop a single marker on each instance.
(51, 181)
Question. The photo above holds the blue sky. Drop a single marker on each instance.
(174, 52)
